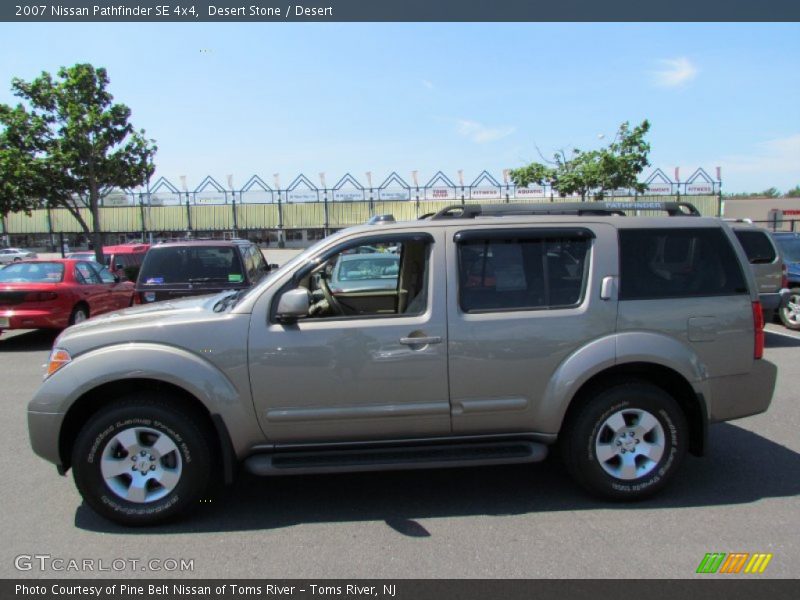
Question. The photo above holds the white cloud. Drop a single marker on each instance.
(480, 133)
(675, 72)
(427, 84)
(776, 156)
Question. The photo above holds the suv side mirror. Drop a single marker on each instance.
(294, 304)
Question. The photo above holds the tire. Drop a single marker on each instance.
(79, 314)
(626, 442)
(790, 312)
(172, 466)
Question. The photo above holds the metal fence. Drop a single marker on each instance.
(163, 208)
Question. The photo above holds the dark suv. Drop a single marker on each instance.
(199, 267)
(789, 244)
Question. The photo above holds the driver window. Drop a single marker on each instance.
(380, 278)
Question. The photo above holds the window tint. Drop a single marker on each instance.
(678, 263)
(530, 272)
(84, 273)
(40, 272)
(790, 246)
(757, 246)
(181, 264)
(103, 273)
(249, 261)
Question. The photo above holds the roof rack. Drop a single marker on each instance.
(470, 211)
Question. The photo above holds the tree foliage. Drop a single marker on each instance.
(594, 172)
(68, 145)
(794, 192)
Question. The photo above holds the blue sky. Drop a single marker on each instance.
(263, 98)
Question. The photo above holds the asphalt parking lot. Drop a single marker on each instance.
(516, 521)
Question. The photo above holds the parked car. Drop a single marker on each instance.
(195, 268)
(38, 294)
(617, 340)
(789, 245)
(9, 255)
(766, 264)
(123, 260)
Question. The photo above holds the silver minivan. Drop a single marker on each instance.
(508, 330)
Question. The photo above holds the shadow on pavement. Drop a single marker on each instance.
(741, 467)
(30, 341)
(774, 340)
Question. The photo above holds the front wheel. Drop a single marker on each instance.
(142, 461)
(790, 312)
(626, 442)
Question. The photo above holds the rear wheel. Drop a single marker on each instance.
(142, 461)
(626, 442)
(79, 314)
(790, 312)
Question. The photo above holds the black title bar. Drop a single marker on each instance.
(397, 10)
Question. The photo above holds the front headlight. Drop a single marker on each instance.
(58, 358)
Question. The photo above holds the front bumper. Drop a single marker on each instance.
(44, 430)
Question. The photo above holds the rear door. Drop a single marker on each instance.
(687, 283)
(91, 289)
(119, 292)
(520, 301)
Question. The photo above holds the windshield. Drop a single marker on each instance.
(41, 272)
(790, 247)
(189, 264)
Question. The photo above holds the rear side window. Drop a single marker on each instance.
(522, 271)
(678, 263)
(757, 246)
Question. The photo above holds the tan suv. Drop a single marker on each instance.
(507, 330)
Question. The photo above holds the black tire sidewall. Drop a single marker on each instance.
(584, 464)
(187, 436)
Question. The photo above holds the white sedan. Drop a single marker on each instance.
(9, 255)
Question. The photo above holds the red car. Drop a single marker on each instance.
(56, 293)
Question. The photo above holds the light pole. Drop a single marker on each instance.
(188, 210)
(233, 207)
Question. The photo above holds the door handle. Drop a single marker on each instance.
(420, 341)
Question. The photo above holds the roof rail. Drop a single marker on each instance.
(470, 211)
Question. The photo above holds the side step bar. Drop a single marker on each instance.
(396, 458)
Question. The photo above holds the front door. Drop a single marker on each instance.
(370, 361)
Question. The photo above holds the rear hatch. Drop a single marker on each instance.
(191, 270)
(764, 259)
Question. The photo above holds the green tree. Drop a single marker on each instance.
(771, 193)
(594, 172)
(793, 193)
(68, 145)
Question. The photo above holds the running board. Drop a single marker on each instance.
(396, 458)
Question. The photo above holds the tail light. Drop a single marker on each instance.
(40, 296)
(137, 298)
(758, 327)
